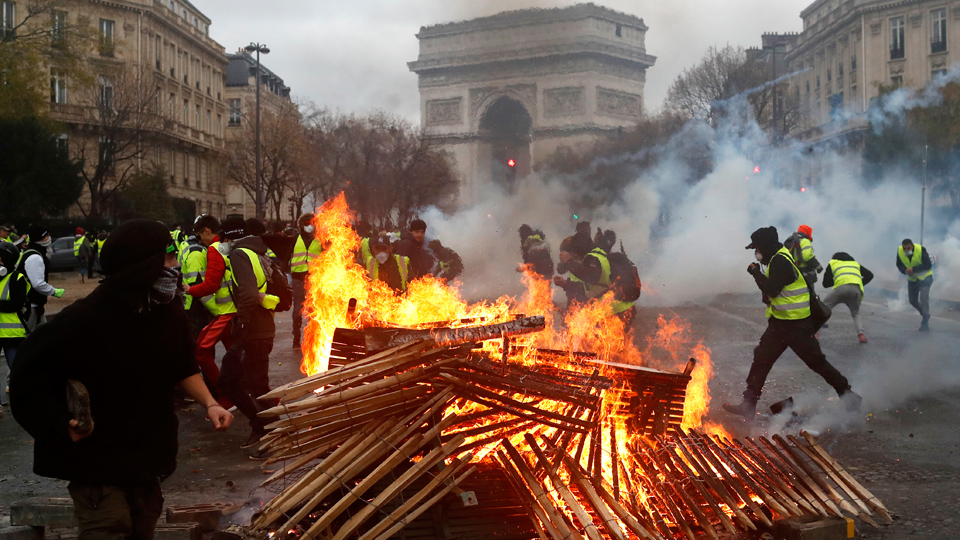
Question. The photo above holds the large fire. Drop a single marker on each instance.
(335, 277)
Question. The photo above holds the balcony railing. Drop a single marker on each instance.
(896, 54)
(938, 46)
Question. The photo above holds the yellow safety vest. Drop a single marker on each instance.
(10, 324)
(793, 302)
(914, 261)
(194, 268)
(373, 268)
(222, 300)
(76, 246)
(100, 245)
(302, 255)
(806, 251)
(365, 251)
(597, 289)
(269, 301)
(846, 272)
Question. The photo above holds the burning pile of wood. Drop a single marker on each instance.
(377, 446)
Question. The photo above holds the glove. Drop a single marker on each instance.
(59, 292)
(754, 269)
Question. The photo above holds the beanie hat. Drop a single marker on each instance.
(37, 233)
(80, 231)
(234, 227)
(255, 227)
(418, 225)
(805, 229)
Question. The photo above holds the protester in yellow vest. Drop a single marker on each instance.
(847, 277)
(13, 299)
(788, 323)
(394, 270)
(305, 249)
(916, 263)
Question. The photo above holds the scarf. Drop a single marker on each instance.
(166, 287)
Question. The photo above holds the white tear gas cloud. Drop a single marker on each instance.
(699, 253)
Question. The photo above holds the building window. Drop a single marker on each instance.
(158, 52)
(58, 28)
(234, 119)
(938, 39)
(58, 86)
(896, 81)
(106, 93)
(207, 126)
(808, 86)
(105, 153)
(106, 37)
(219, 126)
(853, 62)
(173, 168)
(8, 20)
(186, 111)
(63, 145)
(839, 70)
(896, 38)
(173, 108)
(829, 77)
(836, 105)
(818, 81)
(197, 119)
(173, 60)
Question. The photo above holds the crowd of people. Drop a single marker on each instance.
(170, 296)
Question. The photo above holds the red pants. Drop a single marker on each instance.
(217, 331)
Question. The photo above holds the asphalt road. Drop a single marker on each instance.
(903, 445)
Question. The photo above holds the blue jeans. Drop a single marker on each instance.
(9, 347)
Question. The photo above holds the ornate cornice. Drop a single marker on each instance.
(532, 69)
(534, 16)
(441, 62)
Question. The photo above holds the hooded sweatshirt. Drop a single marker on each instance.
(130, 374)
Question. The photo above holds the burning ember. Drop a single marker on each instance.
(498, 409)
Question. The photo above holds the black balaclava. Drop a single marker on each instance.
(766, 241)
(133, 256)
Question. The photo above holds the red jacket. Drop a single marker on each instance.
(216, 267)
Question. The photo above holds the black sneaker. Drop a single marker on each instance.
(925, 325)
(254, 438)
(852, 400)
(747, 409)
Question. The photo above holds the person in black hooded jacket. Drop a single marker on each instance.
(114, 468)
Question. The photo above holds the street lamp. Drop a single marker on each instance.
(258, 181)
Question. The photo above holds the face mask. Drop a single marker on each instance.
(44, 243)
(908, 253)
(224, 248)
(309, 229)
(166, 287)
(758, 255)
(382, 257)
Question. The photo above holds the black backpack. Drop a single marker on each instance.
(277, 284)
(624, 277)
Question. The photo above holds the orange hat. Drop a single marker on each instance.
(805, 229)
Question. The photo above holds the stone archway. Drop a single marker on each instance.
(505, 130)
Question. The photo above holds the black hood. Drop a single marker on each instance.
(133, 256)
(842, 256)
(253, 243)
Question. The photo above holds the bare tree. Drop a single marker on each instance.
(124, 123)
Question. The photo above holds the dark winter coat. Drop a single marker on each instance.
(254, 321)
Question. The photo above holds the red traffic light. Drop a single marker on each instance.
(511, 163)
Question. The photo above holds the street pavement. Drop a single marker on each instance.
(904, 445)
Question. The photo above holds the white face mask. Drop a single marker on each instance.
(908, 253)
(309, 229)
(383, 256)
(224, 248)
(758, 255)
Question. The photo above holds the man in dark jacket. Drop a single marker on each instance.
(847, 277)
(394, 270)
(535, 252)
(244, 371)
(913, 261)
(411, 246)
(116, 465)
(787, 296)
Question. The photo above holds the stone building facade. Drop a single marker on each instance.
(849, 47)
(168, 40)
(241, 97)
(501, 93)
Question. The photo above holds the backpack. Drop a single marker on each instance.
(277, 284)
(792, 243)
(624, 277)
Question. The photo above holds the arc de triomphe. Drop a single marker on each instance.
(517, 85)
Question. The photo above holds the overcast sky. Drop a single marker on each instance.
(353, 56)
